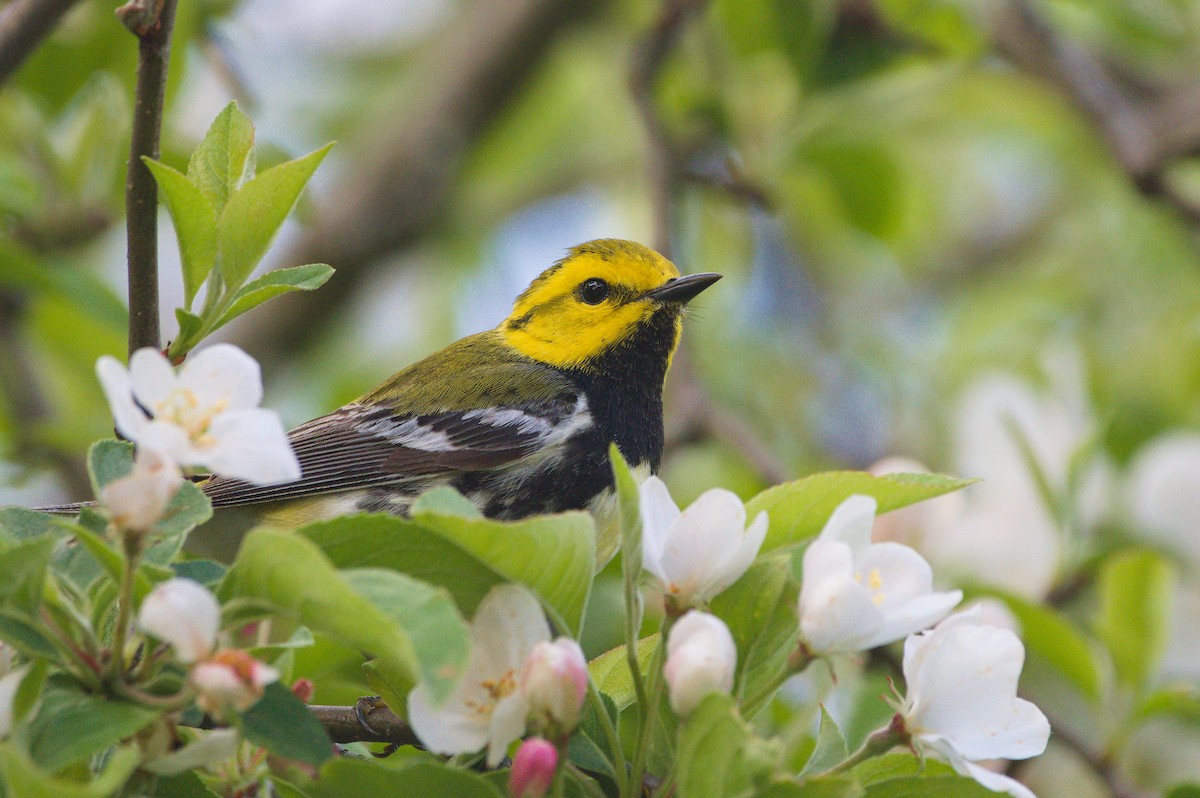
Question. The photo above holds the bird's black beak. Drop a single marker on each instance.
(680, 290)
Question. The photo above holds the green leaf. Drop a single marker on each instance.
(1135, 589)
(717, 756)
(272, 284)
(108, 461)
(350, 778)
(760, 611)
(255, 213)
(283, 724)
(191, 328)
(290, 573)
(798, 510)
(23, 573)
(23, 633)
(71, 726)
(552, 555)
(24, 779)
(1052, 637)
(1190, 790)
(225, 159)
(111, 560)
(438, 632)
(831, 746)
(18, 524)
(195, 223)
(611, 673)
(206, 572)
(188, 509)
(929, 787)
(183, 785)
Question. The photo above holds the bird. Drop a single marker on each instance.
(519, 418)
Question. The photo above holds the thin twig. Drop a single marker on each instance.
(23, 25)
(141, 192)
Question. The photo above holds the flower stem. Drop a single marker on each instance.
(132, 544)
(797, 662)
(649, 704)
(877, 743)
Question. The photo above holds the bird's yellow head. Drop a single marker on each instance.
(600, 294)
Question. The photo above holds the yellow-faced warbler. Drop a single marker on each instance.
(519, 418)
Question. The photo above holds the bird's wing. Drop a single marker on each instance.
(368, 445)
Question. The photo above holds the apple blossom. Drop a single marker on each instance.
(185, 614)
(857, 595)
(487, 708)
(533, 769)
(554, 682)
(206, 415)
(701, 659)
(962, 698)
(230, 679)
(697, 553)
(138, 500)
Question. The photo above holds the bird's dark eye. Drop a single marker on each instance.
(593, 291)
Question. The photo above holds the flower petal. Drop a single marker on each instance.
(914, 616)
(152, 377)
(118, 390)
(185, 614)
(224, 374)
(851, 523)
(9, 684)
(902, 573)
(451, 728)
(700, 543)
(1023, 734)
(739, 557)
(659, 514)
(250, 445)
(837, 615)
(508, 723)
(509, 622)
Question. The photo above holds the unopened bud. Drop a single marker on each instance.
(533, 769)
(185, 614)
(554, 682)
(701, 657)
(230, 679)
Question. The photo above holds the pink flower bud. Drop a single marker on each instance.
(554, 682)
(533, 769)
(230, 679)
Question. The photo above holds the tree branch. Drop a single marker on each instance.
(376, 724)
(152, 25)
(402, 187)
(23, 25)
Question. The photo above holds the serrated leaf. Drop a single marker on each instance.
(195, 222)
(798, 510)
(23, 573)
(610, 671)
(23, 633)
(350, 778)
(70, 725)
(108, 461)
(289, 572)
(188, 509)
(283, 724)
(19, 523)
(225, 159)
(272, 284)
(831, 746)
(22, 776)
(760, 611)
(256, 211)
(1135, 590)
(716, 752)
(552, 555)
(427, 614)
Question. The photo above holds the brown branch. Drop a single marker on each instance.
(371, 724)
(402, 188)
(23, 25)
(152, 25)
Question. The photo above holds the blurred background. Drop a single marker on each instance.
(960, 232)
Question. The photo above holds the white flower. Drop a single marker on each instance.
(856, 595)
(137, 500)
(701, 659)
(183, 613)
(1162, 488)
(486, 707)
(554, 682)
(230, 679)
(962, 698)
(206, 415)
(698, 553)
